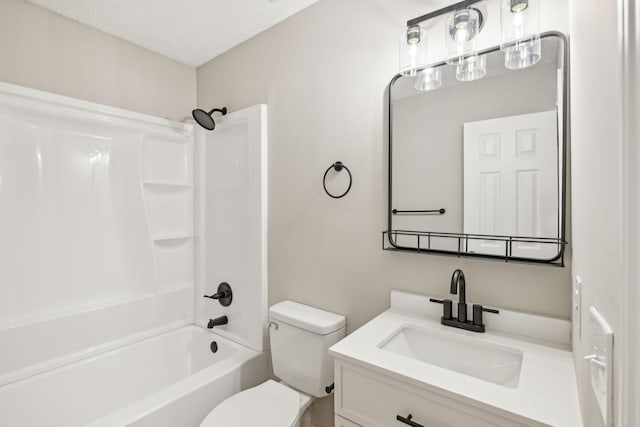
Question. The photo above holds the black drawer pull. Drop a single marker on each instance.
(408, 420)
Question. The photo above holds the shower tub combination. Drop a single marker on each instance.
(103, 269)
(110, 367)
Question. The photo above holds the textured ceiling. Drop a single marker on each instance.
(189, 31)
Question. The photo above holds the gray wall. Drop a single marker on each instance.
(45, 51)
(323, 74)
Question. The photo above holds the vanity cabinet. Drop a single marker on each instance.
(366, 398)
(405, 362)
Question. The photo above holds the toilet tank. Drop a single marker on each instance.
(300, 339)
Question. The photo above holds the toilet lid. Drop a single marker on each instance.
(270, 404)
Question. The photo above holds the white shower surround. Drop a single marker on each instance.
(97, 213)
(96, 206)
(231, 224)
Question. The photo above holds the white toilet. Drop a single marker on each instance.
(300, 337)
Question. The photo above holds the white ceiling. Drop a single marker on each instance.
(189, 31)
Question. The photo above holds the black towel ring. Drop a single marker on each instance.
(337, 166)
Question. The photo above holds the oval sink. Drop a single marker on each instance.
(486, 361)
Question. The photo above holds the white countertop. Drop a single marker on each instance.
(546, 393)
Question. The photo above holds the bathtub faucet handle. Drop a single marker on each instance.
(224, 295)
(217, 295)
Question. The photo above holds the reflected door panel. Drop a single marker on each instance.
(511, 183)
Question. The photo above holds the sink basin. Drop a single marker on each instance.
(487, 361)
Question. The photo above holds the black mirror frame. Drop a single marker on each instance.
(558, 260)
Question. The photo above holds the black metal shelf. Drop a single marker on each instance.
(424, 245)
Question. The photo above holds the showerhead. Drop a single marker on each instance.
(205, 119)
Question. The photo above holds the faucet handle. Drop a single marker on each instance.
(477, 313)
(447, 308)
(224, 295)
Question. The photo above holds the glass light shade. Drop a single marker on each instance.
(523, 53)
(472, 67)
(520, 24)
(461, 29)
(413, 52)
(429, 79)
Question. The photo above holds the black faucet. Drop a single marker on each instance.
(218, 321)
(457, 281)
(458, 286)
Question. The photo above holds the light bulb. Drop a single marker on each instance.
(462, 35)
(520, 26)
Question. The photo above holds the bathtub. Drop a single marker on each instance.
(169, 380)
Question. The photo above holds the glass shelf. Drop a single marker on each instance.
(171, 236)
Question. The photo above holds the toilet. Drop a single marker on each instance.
(300, 338)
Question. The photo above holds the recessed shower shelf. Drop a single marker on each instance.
(171, 237)
(161, 184)
(423, 244)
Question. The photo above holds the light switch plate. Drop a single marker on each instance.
(601, 360)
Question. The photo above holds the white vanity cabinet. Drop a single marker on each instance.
(367, 398)
(405, 362)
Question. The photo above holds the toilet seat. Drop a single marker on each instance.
(270, 404)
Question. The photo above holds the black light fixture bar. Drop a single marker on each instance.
(456, 6)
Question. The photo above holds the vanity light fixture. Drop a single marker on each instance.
(461, 29)
(429, 79)
(413, 53)
(471, 68)
(520, 21)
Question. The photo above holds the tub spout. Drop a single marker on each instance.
(218, 321)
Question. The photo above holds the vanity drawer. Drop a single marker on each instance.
(374, 400)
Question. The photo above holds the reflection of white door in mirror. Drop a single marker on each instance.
(511, 183)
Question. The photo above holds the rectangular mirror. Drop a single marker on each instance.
(477, 168)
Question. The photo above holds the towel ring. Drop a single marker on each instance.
(337, 166)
